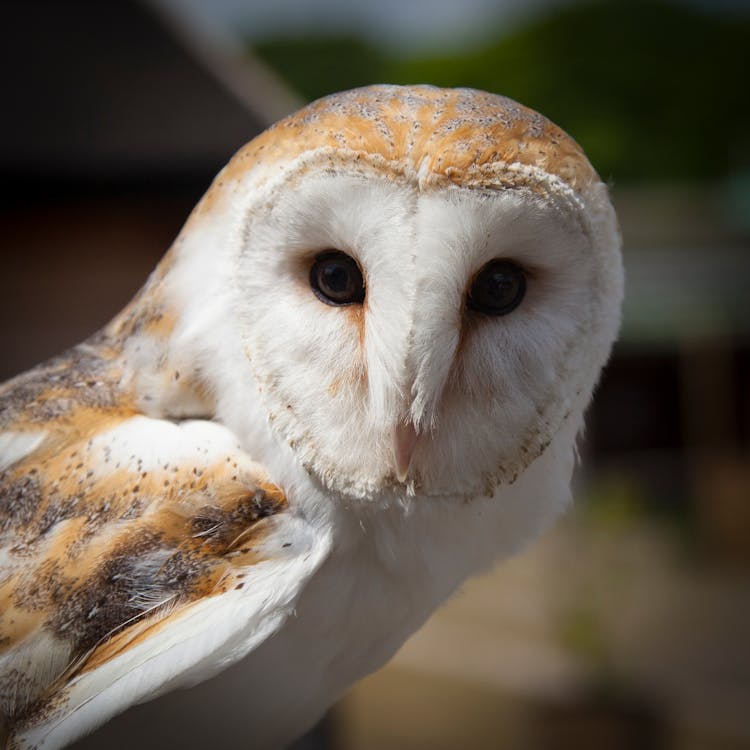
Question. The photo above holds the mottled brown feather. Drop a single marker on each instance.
(99, 555)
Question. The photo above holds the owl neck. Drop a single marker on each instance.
(165, 367)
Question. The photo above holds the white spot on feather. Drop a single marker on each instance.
(145, 444)
(17, 445)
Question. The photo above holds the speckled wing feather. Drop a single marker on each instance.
(132, 549)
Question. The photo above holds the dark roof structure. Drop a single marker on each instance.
(124, 89)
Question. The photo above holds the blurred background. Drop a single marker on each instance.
(628, 625)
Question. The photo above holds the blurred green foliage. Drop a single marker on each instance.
(651, 90)
(584, 634)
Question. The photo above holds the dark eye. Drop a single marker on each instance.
(336, 279)
(497, 289)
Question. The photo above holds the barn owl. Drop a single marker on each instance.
(354, 380)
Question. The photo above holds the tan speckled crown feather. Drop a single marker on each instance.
(445, 132)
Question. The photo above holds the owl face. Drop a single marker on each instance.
(411, 325)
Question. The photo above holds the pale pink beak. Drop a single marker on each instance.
(404, 441)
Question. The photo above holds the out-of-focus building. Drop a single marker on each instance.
(674, 408)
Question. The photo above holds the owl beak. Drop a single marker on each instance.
(404, 441)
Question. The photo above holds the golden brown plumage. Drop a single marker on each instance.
(101, 550)
(461, 136)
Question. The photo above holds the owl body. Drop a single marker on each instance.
(356, 379)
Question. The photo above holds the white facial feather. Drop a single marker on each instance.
(487, 394)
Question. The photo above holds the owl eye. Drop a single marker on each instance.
(336, 279)
(498, 288)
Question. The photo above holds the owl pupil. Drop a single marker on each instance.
(498, 288)
(335, 279)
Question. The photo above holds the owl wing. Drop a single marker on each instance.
(136, 555)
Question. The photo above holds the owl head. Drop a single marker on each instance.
(406, 289)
